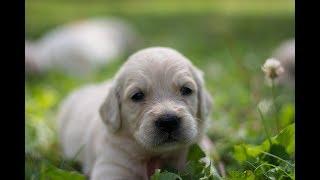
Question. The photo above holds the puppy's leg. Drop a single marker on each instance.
(106, 170)
(115, 163)
(206, 144)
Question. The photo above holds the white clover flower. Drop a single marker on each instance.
(265, 106)
(272, 68)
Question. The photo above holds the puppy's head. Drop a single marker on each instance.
(159, 98)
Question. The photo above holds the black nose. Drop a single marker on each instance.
(168, 123)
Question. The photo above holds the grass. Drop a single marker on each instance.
(228, 40)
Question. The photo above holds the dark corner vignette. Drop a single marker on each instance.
(12, 75)
(305, 31)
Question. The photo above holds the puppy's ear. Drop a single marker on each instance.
(204, 97)
(110, 110)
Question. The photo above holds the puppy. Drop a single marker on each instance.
(145, 118)
(77, 48)
(285, 53)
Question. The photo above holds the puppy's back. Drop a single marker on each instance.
(78, 112)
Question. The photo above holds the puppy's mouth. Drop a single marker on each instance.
(167, 139)
(171, 139)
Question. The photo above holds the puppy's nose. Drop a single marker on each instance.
(168, 122)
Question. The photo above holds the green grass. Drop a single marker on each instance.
(228, 40)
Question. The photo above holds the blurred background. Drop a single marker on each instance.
(76, 42)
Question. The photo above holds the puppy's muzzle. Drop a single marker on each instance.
(168, 123)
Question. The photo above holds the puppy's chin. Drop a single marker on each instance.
(165, 143)
(161, 146)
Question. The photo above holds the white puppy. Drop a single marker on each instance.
(81, 46)
(285, 53)
(145, 118)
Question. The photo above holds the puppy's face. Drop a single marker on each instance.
(160, 98)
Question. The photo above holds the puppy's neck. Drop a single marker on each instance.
(150, 160)
(175, 159)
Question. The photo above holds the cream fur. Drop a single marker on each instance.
(116, 136)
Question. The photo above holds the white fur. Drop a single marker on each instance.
(285, 53)
(79, 47)
(118, 136)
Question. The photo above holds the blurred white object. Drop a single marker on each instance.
(79, 47)
(285, 53)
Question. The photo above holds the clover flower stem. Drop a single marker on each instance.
(265, 126)
(273, 92)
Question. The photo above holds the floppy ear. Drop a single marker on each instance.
(110, 110)
(204, 97)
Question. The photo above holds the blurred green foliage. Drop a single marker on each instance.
(229, 40)
(271, 161)
(51, 172)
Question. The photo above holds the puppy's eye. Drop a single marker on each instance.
(139, 96)
(185, 91)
